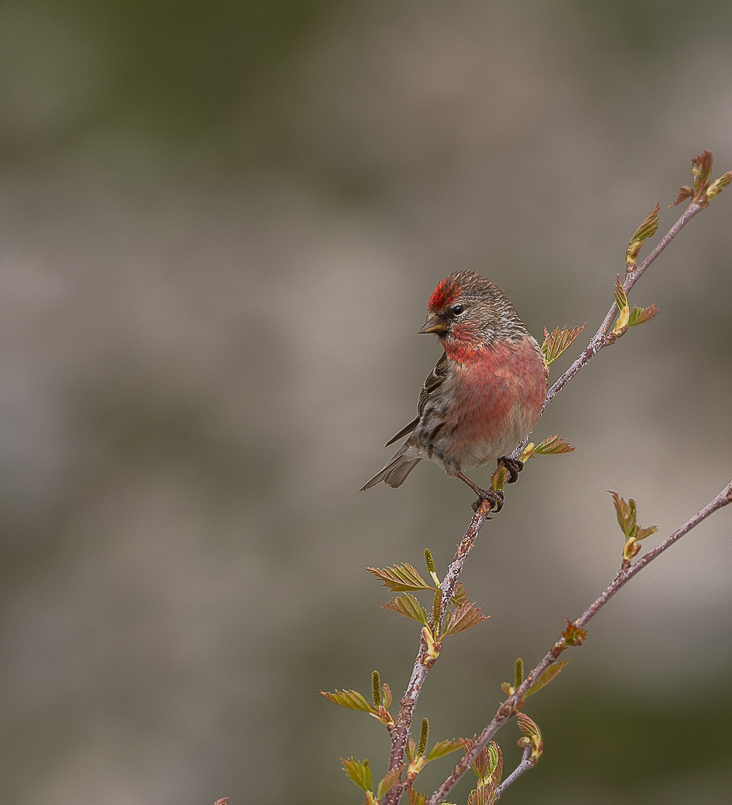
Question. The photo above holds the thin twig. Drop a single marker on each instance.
(509, 708)
(602, 337)
(527, 762)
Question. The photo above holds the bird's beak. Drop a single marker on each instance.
(434, 324)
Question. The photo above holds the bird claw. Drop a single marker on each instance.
(513, 467)
(492, 495)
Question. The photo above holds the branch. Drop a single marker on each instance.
(403, 722)
(509, 708)
(527, 762)
(603, 337)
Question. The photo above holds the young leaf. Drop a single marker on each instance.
(649, 226)
(641, 314)
(389, 781)
(621, 298)
(400, 578)
(463, 618)
(532, 736)
(626, 513)
(415, 798)
(701, 170)
(544, 679)
(495, 761)
(483, 795)
(573, 635)
(684, 192)
(359, 772)
(559, 341)
(553, 446)
(460, 595)
(408, 606)
(703, 192)
(717, 186)
(481, 765)
(646, 230)
(442, 748)
(351, 699)
(642, 533)
(386, 699)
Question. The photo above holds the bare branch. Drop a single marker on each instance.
(527, 762)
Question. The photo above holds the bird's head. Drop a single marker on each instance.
(468, 309)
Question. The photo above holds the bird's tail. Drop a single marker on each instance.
(394, 473)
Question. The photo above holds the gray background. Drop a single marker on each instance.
(221, 224)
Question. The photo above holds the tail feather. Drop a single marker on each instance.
(394, 473)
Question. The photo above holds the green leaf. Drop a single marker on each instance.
(621, 298)
(703, 192)
(495, 761)
(641, 314)
(488, 765)
(351, 699)
(400, 577)
(389, 781)
(649, 226)
(718, 185)
(386, 699)
(359, 772)
(463, 618)
(415, 798)
(646, 230)
(460, 595)
(559, 341)
(442, 748)
(483, 795)
(573, 635)
(545, 678)
(408, 606)
(532, 735)
(701, 170)
(626, 512)
(553, 446)
(642, 533)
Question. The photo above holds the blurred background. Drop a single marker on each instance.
(220, 227)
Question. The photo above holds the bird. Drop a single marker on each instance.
(484, 395)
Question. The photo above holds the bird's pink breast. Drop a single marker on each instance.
(498, 392)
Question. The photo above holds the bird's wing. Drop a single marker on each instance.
(434, 380)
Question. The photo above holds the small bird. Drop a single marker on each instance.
(485, 393)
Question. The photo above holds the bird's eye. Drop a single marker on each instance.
(457, 309)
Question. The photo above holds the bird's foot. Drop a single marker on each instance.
(493, 495)
(512, 466)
